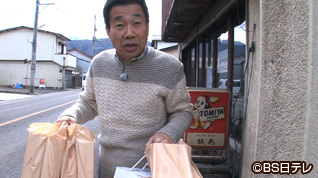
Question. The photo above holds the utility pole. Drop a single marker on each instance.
(34, 44)
(27, 62)
(63, 74)
(94, 37)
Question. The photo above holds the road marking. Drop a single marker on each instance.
(33, 114)
(13, 96)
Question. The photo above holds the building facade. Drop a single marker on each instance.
(51, 58)
(279, 94)
(281, 119)
(82, 61)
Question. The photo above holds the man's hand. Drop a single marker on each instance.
(160, 138)
(68, 119)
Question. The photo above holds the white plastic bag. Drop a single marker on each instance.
(96, 164)
(125, 172)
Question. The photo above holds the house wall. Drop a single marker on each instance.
(66, 60)
(82, 66)
(46, 46)
(17, 45)
(311, 145)
(50, 72)
(173, 51)
(12, 72)
(282, 119)
(80, 56)
(250, 127)
(16, 72)
(82, 61)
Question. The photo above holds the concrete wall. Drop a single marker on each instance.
(311, 151)
(252, 95)
(281, 123)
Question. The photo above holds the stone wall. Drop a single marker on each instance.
(282, 97)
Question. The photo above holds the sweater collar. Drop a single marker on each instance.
(135, 58)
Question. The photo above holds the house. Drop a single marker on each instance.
(51, 58)
(278, 131)
(82, 60)
(90, 47)
(170, 48)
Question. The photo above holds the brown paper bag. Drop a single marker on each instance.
(44, 150)
(171, 160)
(78, 159)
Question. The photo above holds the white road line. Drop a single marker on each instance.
(33, 114)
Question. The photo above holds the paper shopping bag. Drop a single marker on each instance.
(44, 150)
(171, 160)
(79, 153)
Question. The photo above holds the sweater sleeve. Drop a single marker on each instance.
(85, 108)
(179, 109)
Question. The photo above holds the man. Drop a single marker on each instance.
(138, 93)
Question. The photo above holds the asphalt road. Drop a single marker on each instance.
(17, 112)
(15, 117)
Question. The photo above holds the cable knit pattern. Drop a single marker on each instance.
(153, 99)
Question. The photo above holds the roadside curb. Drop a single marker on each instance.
(36, 92)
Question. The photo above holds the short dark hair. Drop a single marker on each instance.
(111, 3)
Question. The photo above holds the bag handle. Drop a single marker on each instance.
(138, 163)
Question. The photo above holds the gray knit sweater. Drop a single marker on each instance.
(153, 99)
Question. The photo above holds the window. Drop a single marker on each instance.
(209, 66)
(188, 59)
(222, 64)
(193, 68)
(60, 48)
(202, 63)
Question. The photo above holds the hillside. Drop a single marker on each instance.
(86, 46)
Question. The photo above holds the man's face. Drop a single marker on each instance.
(128, 30)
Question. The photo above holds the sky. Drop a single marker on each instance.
(74, 18)
(71, 18)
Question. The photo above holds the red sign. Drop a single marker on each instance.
(209, 126)
(42, 81)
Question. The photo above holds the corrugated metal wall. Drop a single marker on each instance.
(12, 72)
(50, 72)
(16, 71)
(16, 45)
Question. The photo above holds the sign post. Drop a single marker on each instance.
(210, 122)
(26, 61)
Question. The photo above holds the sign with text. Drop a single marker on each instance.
(42, 83)
(209, 125)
